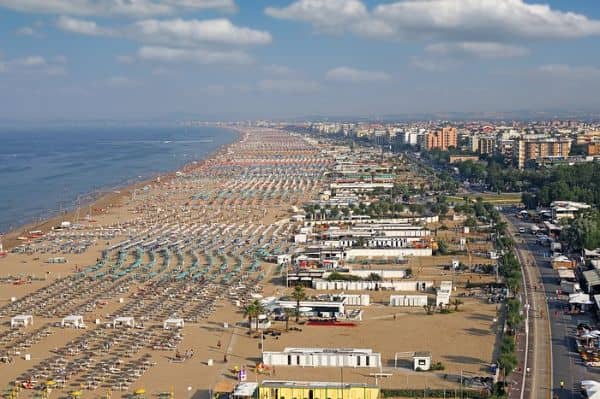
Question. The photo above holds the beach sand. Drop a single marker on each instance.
(226, 207)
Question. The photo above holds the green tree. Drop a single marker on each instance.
(251, 311)
(299, 295)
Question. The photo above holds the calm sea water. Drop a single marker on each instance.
(45, 170)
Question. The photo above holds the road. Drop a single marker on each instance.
(566, 364)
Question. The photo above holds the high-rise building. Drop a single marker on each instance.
(442, 139)
(532, 149)
(486, 145)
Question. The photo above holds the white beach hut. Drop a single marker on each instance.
(22, 320)
(173, 323)
(124, 322)
(422, 361)
(74, 321)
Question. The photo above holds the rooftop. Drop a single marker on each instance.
(313, 384)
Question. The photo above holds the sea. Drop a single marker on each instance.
(46, 170)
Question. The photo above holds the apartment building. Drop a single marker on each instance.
(487, 145)
(442, 139)
(536, 148)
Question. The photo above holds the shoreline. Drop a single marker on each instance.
(111, 196)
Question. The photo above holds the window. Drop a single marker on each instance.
(368, 361)
(422, 362)
(358, 360)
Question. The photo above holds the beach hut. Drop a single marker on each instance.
(123, 322)
(422, 361)
(173, 323)
(323, 357)
(74, 321)
(23, 320)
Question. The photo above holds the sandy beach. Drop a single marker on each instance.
(189, 247)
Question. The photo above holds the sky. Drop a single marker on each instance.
(270, 59)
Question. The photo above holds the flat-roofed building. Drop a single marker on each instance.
(323, 357)
(541, 148)
(442, 139)
(270, 389)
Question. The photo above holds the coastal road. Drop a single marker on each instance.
(538, 381)
(566, 365)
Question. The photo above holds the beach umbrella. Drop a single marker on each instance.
(50, 383)
(75, 394)
(139, 391)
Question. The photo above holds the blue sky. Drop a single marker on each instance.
(236, 59)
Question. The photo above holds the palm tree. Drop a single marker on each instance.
(258, 309)
(251, 311)
(298, 294)
(288, 313)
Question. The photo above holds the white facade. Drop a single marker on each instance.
(356, 299)
(371, 285)
(386, 252)
(124, 322)
(442, 297)
(74, 321)
(408, 300)
(300, 238)
(422, 361)
(173, 323)
(23, 320)
(322, 357)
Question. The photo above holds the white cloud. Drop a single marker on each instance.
(26, 31)
(476, 49)
(82, 26)
(493, 20)
(35, 64)
(31, 61)
(177, 39)
(326, 15)
(448, 20)
(192, 32)
(442, 56)
(129, 8)
(347, 74)
(288, 86)
(201, 56)
(172, 32)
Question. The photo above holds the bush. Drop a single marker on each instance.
(437, 366)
